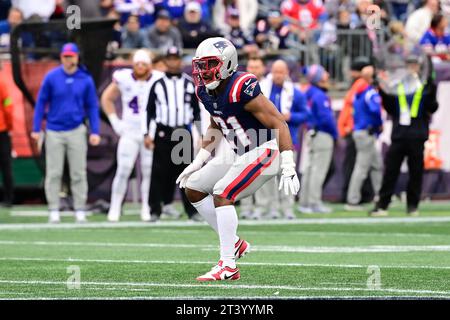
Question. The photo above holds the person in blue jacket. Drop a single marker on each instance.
(368, 125)
(319, 141)
(66, 98)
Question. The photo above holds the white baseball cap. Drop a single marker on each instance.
(142, 56)
(193, 6)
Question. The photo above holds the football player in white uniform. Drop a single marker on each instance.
(133, 86)
(262, 145)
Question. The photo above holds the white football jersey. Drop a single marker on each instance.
(134, 94)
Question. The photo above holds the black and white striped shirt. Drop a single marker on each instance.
(172, 101)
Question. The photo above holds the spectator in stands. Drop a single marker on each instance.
(6, 126)
(117, 28)
(237, 36)
(436, 41)
(132, 35)
(265, 6)
(248, 10)
(162, 35)
(334, 6)
(399, 9)
(364, 10)
(144, 9)
(67, 96)
(42, 8)
(5, 5)
(345, 128)
(15, 17)
(319, 140)
(106, 6)
(445, 8)
(368, 124)
(192, 28)
(177, 8)
(88, 8)
(271, 32)
(306, 15)
(420, 20)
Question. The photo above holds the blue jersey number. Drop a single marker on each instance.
(134, 105)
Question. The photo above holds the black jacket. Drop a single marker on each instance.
(419, 128)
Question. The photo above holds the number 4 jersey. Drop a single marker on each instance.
(241, 128)
(134, 95)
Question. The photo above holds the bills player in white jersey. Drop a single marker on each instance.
(133, 86)
(262, 145)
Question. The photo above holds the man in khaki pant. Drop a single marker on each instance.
(66, 98)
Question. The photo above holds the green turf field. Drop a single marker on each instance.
(338, 255)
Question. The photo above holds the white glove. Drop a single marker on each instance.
(289, 181)
(116, 124)
(196, 165)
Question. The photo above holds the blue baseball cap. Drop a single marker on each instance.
(70, 49)
(315, 73)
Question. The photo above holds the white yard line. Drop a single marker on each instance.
(260, 248)
(263, 264)
(39, 213)
(228, 286)
(308, 221)
(308, 297)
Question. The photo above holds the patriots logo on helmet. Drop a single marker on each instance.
(221, 45)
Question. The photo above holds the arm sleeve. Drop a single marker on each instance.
(41, 103)
(196, 110)
(151, 107)
(389, 102)
(375, 107)
(345, 119)
(325, 116)
(431, 103)
(299, 112)
(7, 104)
(92, 107)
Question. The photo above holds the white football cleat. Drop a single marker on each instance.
(273, 214)
(241, 247)
(54, 217)
(80, 217)
(113, 216)
(220, 273)
(145, 213)
(289, 214)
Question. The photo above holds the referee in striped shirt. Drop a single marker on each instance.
(172, 105)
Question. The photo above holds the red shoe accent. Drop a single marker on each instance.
(241, 248)
(230, 274)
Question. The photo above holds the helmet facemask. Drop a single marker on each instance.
(206, 72)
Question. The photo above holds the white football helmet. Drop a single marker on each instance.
(215, 60)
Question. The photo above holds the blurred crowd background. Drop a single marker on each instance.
(331, 33)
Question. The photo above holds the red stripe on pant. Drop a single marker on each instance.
(244, 173)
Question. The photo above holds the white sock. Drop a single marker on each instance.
(227, 223)
(116, 203)
(207, 210)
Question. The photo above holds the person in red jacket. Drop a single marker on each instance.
(6, 124)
